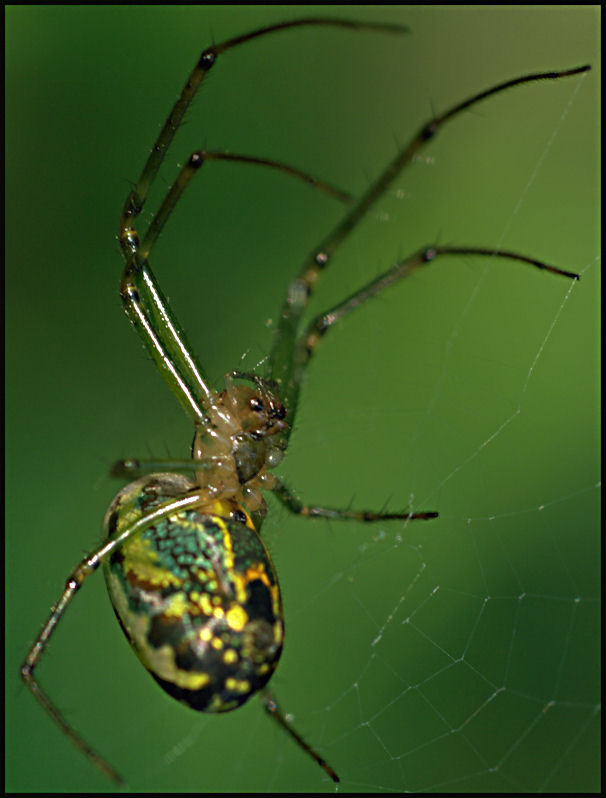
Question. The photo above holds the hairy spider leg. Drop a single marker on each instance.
(325, 321)
(273, 709)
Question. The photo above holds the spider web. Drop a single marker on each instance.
(454, 655)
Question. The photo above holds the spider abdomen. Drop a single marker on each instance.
(196, 595)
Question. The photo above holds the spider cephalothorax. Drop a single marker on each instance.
(239, 440)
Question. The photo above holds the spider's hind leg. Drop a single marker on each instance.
(273, 708)
(292, 503)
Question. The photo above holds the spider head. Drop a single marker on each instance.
(260, 416)
(255, 410)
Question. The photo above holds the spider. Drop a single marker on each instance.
(190, 579)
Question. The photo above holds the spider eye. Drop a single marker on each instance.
(279, 412)
(256, 404)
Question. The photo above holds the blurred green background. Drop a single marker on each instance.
(417, 394)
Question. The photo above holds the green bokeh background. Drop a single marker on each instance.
(405, 398)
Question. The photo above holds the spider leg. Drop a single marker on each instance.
(273, 708)
(294, 505)
(285, 366)
(74, 582)
(323, 322)
(84, 569)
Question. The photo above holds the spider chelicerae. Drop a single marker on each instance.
(190, 579)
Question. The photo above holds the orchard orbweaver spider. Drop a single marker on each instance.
(190, 579)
